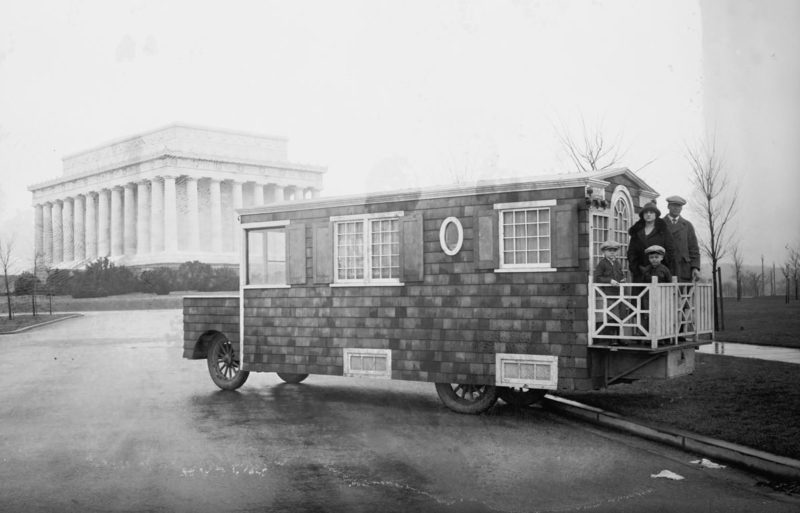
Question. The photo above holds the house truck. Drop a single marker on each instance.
(484, 290)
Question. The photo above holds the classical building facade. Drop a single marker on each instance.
(163, 197)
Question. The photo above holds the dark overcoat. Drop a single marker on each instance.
(607, 271)
(660, 236)
(687, 251)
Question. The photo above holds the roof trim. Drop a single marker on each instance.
(446, 191)
(163, 128)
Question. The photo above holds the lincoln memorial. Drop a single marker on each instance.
(163, 197)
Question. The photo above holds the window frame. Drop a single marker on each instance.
(366, 220)
(245, 262)
(620, 194)
(538, 205)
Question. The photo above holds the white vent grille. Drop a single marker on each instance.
(526, 370)
(371, 363)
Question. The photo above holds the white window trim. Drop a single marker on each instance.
(525, 204)
(366, 281)
(459, 241)
(243, 269)
(524, 268)
(347, 352)
(540, 359)
(606, 213)
(357, 217)
(370, 284)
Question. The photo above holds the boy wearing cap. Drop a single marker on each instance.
(687, 251)
(608, 269)
(655, 254)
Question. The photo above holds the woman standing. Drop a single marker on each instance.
(649, 230)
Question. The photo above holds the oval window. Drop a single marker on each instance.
(451, 236)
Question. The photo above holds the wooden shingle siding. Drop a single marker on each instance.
(209, 313)
(446, 327)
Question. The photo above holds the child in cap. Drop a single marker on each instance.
(655, 254)
(608, 269)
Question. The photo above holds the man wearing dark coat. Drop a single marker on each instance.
(687, 251)
(649, 230)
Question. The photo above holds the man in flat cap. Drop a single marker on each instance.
(687, 251)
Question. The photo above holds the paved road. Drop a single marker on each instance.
(101, 414)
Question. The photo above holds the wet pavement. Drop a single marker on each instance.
(101, 413)
(777, 354)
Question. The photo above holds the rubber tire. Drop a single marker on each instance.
(518, 398)
(292, 378)
(454, 397)
(227, 375)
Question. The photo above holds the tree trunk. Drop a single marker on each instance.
(721, 303)
(8, 296)
(715, 290)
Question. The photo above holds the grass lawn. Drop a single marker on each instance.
(24, 320)
(134, 301)
(761, 320)
(746, 401)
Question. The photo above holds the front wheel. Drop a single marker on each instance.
(519, 398)
(292, 378)
(224, 365)
(471, 399)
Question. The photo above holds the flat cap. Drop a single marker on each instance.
(677, 200)
(655, 249)
(609, 244)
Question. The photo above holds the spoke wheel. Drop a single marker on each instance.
(519, 398)
(224, 365)
(471, 399)
(292, 378)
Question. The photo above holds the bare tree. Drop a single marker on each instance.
(716, 206)
(6, 261)
(736, 253)
(753, 282)
(592, 150)
(793, 268)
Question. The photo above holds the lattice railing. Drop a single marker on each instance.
(649, 314)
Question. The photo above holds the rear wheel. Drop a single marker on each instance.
(292, 378)
(224, 365)
(471, 399)
(519, 398)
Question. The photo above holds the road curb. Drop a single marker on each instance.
(740, 455)
(39, 325)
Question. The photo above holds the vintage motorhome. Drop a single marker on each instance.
(485, 290)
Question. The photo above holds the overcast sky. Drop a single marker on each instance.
(381, 93)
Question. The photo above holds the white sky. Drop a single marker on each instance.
(382, 93)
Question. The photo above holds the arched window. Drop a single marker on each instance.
(621, 221)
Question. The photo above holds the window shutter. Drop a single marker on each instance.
(296, 254)
(411, 254)
(564, 232)
(486, 243)
(323, 252)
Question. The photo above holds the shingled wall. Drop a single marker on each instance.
(446, 328)
(203, 314)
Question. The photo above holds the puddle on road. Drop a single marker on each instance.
(779, 354)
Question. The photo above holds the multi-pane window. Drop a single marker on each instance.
(266, 256)
(367, 250)
(621, 223)
(599, 235)
(525, 236)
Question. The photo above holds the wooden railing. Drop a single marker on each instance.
(650, 314)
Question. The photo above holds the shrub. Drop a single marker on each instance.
(195, 276)
(160, 280)
(24, 284)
